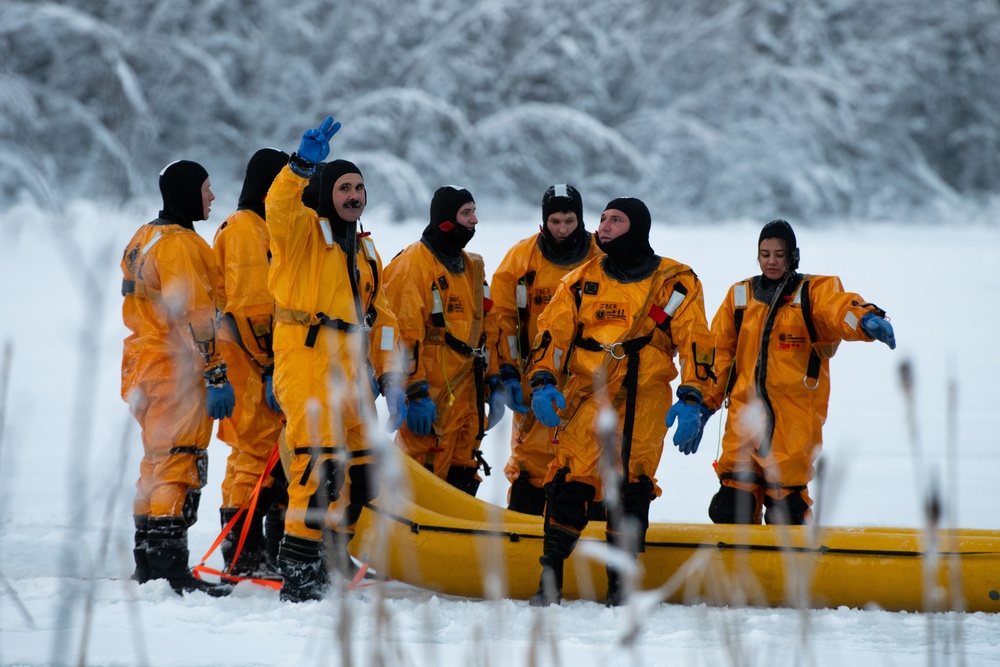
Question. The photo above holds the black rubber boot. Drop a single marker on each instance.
(139, 552)
(274, 530)
(614, 598)
(339, 558)
(252, 559)
(557, 545)
(732, 505)
(550, 583)
(300, 562)
(525, 497)
(791, 510)
(168, 557)
(463, 478)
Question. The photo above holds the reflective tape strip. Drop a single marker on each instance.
(675, 301)
(521, 294)
(512, 346)
(486, 357)
(438, 308)
(486, 291)
(798, 296)
(156, 237)
(851, 319)
(327, 230)
(740, 295)
(557, 357)
(369, 247)
(386, 342)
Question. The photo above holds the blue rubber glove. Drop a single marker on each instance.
(220, 400)
(515, 396)
(879, 329)
(512, 387)
(315, 143)
(420, 410)
(542, 398)
(706, 414)
(272, 401)
(395, 400)
(688, 416)
(497, 400)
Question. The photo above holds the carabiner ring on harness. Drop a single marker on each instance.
(610, 349)
(479, 352)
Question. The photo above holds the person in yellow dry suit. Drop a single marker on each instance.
(775, 334)
(241, 249)
(614, 326)
(439, 294)
(331, 321)
(521, 287)
(173, 375)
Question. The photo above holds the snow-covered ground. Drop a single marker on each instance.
(69, 455)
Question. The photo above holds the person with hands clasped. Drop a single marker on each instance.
(333, 330)
(173, 375)
(614, 326)
(775, 334)
(241, 248)
(521, 287)
(439, 294)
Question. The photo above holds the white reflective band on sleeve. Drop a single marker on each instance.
(385, 344)
(369, 247)
(438, 308)
(512, 346)
(152, 242)
(521, 296)
(676, 299)
(740, 295)
(486, 357)
(324, 225)
(798, 296)
(486, 290)
(851, 319)
(557, 358)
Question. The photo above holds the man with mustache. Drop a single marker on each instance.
(333, 330)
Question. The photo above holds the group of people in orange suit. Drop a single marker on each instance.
(288, 329)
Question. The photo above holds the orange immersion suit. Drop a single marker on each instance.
(171, 298)
(595, 328)
(241, 248)
(322, 344)
(447, 330)
(779, 360)
(522, 287)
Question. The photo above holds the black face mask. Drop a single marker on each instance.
(570, 251)
(447, 245)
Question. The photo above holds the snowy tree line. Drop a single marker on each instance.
(801, 108)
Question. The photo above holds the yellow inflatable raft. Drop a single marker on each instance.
(426, 533)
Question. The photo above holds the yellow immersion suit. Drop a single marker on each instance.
(521, 288)
(241, 249)
(593, 327)
(434, 306)
(321, 343)
(775, 419)
(171, 298)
